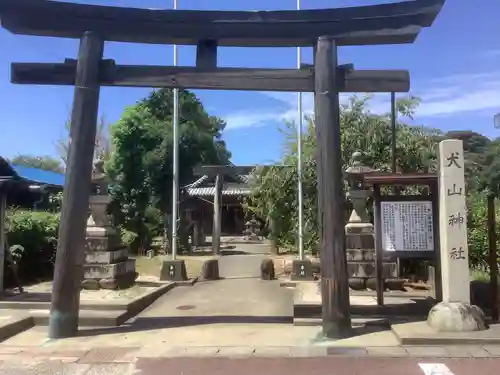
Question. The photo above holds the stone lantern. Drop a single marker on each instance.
(107, 264)
(360, 243)
(252, 228)
(359, 193)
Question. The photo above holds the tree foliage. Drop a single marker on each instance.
(274, 189)
(141, 162)
(46, 163)
(32, 239)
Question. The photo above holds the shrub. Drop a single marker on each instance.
(127, 236)
(32, 237)
(478, 230)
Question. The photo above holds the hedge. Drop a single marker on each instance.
(32, 238)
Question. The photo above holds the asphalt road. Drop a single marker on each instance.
(317, 366)
(267, 366)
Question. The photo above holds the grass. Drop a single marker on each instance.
(152, 267)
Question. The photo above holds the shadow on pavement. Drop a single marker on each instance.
(234, 252)
(367, 329)
(28, 297)
(151, 323)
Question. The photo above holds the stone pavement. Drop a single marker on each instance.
(123, 361)
(239, 297)
(227, 326)
(244, 262)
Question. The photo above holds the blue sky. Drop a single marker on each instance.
(454, 66)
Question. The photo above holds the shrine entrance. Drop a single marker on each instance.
(323, 29)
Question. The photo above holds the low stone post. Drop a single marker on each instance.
(107, 264)
(455, 313)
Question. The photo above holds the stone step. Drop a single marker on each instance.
(33, 301)
(13, 322)
(45, 305)
(356, 268)
(356, 322)
(103, 271)
(314, 311)
(87, 318)
(307, 304)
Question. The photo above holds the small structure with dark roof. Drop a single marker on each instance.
(198, 198)
(24, 184)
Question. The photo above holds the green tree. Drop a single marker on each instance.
(488, 169)
(484, 175)
(475, 148)
(141, 163)
(46, 163)
(274, 189)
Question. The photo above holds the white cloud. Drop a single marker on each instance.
(461, 93)
(493, 52)
(444, 96)
(248, 119)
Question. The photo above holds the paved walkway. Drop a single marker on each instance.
(244, 261)
(239, 297)
(233, 325)
(95, 364)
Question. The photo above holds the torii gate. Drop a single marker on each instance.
(323, 29)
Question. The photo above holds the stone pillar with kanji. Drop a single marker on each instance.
(107, 264)
(454, 313)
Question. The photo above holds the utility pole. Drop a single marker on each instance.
(175, 161)
(300, 116)
(3, 209)
(492, 244)
(393, 132)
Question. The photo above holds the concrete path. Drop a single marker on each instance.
(244, 261)
(246, 300)
(239, 297)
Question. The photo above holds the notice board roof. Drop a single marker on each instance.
(400, 179)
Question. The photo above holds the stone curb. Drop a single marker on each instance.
(15, 325)
(132, 354)
(119, 313)
(322, 351)
(95, 305)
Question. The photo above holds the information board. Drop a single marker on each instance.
(407, 226)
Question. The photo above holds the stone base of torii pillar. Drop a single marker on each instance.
(456, 317)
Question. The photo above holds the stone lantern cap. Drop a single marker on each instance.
(99, 178)
(356, 171)
(357, 167)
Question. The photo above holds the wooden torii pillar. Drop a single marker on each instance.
(394, 23)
